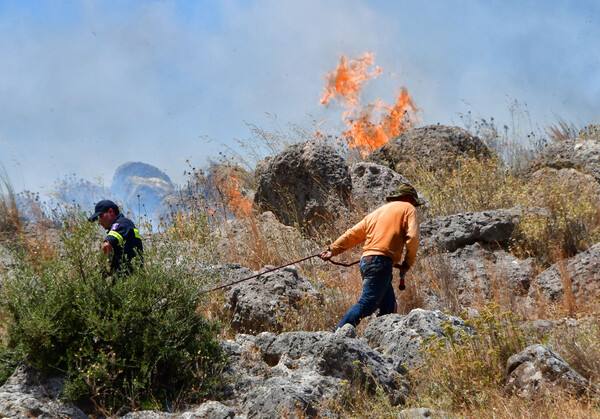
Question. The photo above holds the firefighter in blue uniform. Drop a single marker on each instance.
(123, 242)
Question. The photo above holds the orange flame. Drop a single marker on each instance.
(372, 125)
(229, 187)
(347, 80)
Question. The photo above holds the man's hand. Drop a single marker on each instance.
(106, 248)
(325, 254)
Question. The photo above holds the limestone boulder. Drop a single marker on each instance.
(207, 410)
(538, 372)
(372, 183)
(402, 335)
(477, 273)
(29, 393)
(432, 147)
(265, 302)
(452, 232)
(567, 178)
(257, 239)
(579, 154)
(582, 271)
(297, 373)
(308, 184)
(423, 413)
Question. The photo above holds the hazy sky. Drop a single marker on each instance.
(88, 85)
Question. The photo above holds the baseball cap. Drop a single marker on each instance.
(102, 206)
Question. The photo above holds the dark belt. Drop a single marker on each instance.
(371, 258)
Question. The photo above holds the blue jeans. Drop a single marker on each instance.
(377, 291)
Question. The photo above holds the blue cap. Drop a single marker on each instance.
(102, 206)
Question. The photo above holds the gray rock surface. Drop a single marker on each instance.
(433, 147)
(538, 372)
(402, 335)
(467, 254)
(583, 155)
(263, 303)
(306, 182)
(477, 273)
(28, 393)
(567, 178)
(299, 372)
(372, 183)
(246, 239)
(583, 270)
(458, 230)
(207, 410)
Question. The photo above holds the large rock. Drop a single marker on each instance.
(567, 179)
(295, 373)
(537, 372)
(582, 155)
(372, 183)
(459, 230)
(141, 186)
(477, 273)
(433, 147)
(264, 303)
(402, 335)
(467, 255)
(207, 410)
(28, 393)
(582, 270)
(258, 239)
(308, 184)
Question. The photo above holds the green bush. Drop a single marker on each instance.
(125, 343)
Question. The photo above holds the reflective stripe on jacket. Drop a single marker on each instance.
(125, 240)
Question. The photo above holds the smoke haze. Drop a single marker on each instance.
(88, 85)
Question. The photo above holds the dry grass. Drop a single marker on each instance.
(465, 378)
(468, 380)
(38, 238)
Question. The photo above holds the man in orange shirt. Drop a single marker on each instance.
(386, 232)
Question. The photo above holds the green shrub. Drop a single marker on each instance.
(125, 343)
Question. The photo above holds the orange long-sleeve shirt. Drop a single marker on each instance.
(386, 231)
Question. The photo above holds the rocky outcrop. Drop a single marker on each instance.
(550, 179)
(28, 393)
(455, 231)
(582, 271)
(372, 183)
(433, 147)
(141, 186)
(467, 255)
(308, 184)
(265, 302)
(582, 155)
(403, 336)
(257, 239)
(537, 372)
(207, 410)
(477, 273)
(297, 373)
